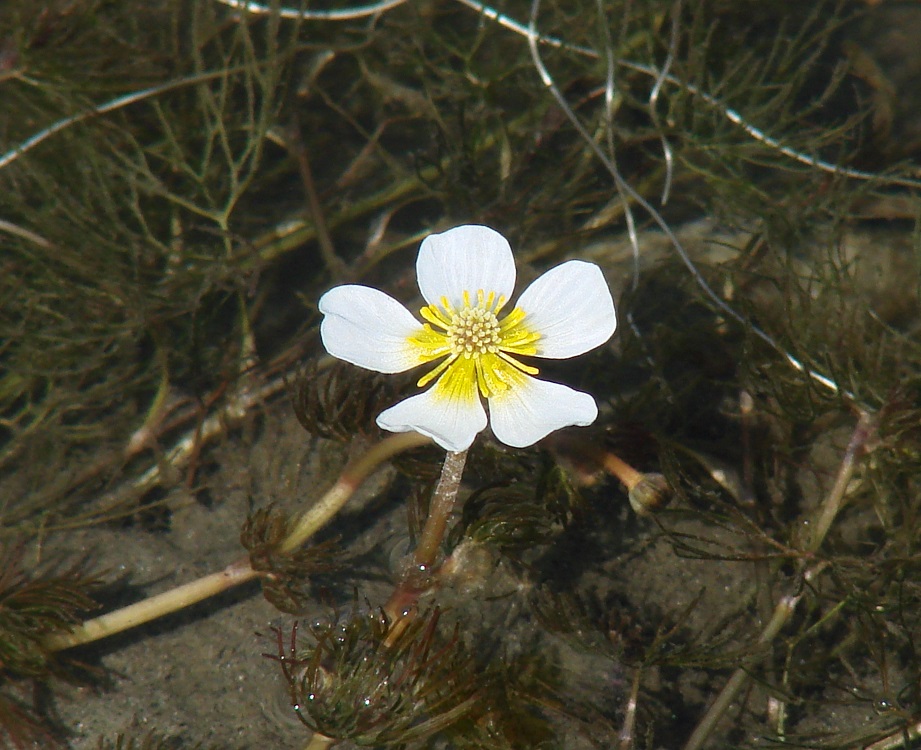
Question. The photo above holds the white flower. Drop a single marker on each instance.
(466, 276)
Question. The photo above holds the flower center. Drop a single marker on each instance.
(478, 351)
(473, 331)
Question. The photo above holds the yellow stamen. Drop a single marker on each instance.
(519, 365)
(477, 347)
(430, 376)
(434, 316)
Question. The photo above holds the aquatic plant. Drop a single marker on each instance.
(725, 557)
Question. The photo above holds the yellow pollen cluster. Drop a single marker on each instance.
(479, 350)
(474, 330)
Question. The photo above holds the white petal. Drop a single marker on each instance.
(368, 328)
(534, 408)
(451, 424)
(465, 259)
(571, 307)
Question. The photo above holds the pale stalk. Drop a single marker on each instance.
(398, 607)
(615, 465)
(153, 607)
(319, 742)
(319, 514)
(899, 739)
(829, 509)
(315, 518)
(401, 602)
(626, 737)
(787, 604)
(782, 612)
(443, 500)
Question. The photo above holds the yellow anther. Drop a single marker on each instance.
(473, 337)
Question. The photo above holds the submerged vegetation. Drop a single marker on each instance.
(181, 181)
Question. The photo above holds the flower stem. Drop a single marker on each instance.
(615, 465)
(442, 504)
(864, 430)
(153, 607)
(317, 516)
(418, 579)
(400, 605)
(320, 513)
(319, 742)
(647, 492)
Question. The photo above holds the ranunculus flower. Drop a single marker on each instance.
(466, 276)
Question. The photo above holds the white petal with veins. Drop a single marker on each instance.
(564, 313)
(466, 258)
(571, 307)
(534, 408)
(452, 423)
(368, 328)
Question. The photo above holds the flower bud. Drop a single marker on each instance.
(649, 494)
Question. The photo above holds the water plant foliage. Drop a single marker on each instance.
(181, 181)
